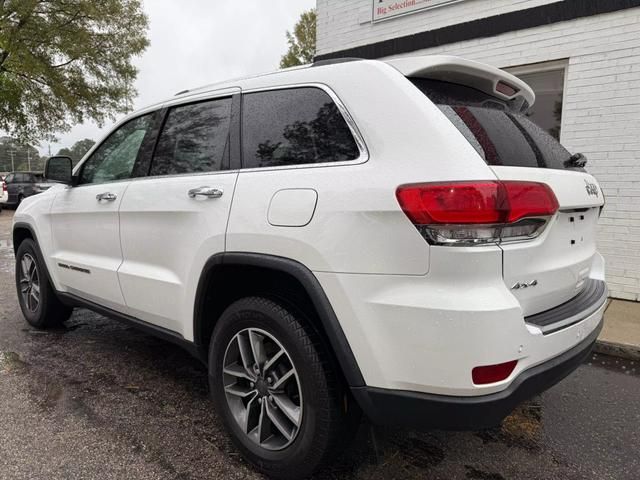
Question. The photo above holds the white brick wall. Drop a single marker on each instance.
(347, 23)
(601, 111)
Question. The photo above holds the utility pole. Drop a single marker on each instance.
(29, 158)
(13, 167)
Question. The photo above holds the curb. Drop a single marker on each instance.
(630, 352)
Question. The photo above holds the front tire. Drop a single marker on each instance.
(276, 390)
(38, 301)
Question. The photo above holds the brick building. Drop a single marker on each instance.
(582, 57)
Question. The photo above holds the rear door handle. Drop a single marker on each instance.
(107, 196)
(207, 192)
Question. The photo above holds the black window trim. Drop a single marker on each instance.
(142, 166)
(363, 156)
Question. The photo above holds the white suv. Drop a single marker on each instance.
(389, 237)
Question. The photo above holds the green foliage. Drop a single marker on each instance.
(66, 61)
(25, 157)
(77, 151)
(302, 43)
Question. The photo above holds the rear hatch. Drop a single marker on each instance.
(552, 268)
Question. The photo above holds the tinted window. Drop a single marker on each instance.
(292, 127)
(194, 138)
(115, 157)
(9, 178)
(21, 178)
(38, 178)
(501, 132)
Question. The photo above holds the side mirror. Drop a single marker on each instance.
(58, 169)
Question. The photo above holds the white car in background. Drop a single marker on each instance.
(396, 238)
(4, 195)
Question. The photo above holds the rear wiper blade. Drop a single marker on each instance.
(577, 160)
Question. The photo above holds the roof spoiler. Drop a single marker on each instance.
(480, 76)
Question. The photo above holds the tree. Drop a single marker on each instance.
(78, 150)
(15, 155)
(302, 43)
(66, 61)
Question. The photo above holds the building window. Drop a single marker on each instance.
(547, 81)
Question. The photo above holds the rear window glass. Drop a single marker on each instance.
(293, 127)
(500, 132)
(194, 138)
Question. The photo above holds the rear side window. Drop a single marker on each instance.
(501, 132)
(294, 127)
(194, 138)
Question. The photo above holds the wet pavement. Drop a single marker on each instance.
(100, 400)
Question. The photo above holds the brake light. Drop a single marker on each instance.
(493, 373)
(506, 89)
(464, 213)
(4, 186)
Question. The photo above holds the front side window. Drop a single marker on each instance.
(115, 157)
(194, 138)
(292, 127)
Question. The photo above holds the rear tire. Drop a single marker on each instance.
(39, 303)
(286, 428)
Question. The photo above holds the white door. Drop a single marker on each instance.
(85, 224)
(174, 220)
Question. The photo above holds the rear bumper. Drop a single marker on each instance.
(10, 199)
(429, 411)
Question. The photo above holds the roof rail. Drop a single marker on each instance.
(333, 61)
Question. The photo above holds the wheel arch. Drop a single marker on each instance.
(22, 231)
(234, 275)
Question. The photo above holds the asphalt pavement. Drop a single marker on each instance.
(100, 400)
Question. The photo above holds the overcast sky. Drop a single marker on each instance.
(196, 42)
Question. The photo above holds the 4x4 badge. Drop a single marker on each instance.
(592, 188)
(520, 285)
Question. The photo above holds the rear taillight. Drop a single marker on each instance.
(471, 213)
(4, 186)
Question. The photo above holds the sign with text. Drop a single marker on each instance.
(384, 9)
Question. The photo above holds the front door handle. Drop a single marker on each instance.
(107, 196)
(207, 192)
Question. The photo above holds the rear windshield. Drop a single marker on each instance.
(500, 131)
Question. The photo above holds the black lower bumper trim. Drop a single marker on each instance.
(592, 297)
(428, 411)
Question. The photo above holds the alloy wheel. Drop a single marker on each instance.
(29, 282)
(262, 389)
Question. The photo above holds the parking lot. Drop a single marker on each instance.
(101, 400)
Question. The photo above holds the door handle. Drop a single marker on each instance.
(207, 192)
(107, 196)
